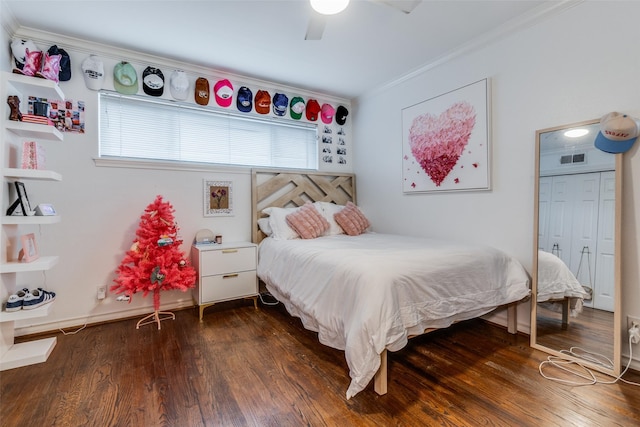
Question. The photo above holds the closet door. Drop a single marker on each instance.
(544, 204)
(603, 297)
(584, 246)
(561, 217)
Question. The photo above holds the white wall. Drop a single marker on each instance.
(576, 66)
(101, 206)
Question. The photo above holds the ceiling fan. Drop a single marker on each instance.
(322, 9)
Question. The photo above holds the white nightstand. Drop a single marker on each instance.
(226, 272)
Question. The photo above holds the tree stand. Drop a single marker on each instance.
(156, 316)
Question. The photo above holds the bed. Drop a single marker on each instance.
(558, 288)
(367, 294)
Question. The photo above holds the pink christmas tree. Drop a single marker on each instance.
(154, 262)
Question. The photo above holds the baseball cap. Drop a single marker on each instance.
(125, 78)
(280, 104)
(341, 115)
(263, 102)
(223, 91)
(327, 113)
(153, 81)
(179, 85)
(65, 63)
(202, 91)
(617, 133)
(93, 71)
(312, 110)
(244, 100)
(18, 50)
(296, 107)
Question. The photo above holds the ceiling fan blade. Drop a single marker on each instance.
(316, 26)
(405, 6)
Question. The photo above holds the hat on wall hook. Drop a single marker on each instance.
(617, 133)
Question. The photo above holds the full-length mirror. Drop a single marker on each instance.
(576, 277)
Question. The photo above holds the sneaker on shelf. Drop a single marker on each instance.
(16, 301)
(37, 298)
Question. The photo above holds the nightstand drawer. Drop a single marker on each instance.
(228, 286)
(229, 260)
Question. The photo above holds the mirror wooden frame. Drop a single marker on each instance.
(617, 315)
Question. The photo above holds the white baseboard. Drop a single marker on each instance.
(90, 319)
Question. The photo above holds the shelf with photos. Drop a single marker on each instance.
(33, 130)
(26, 129)
(17, 174)
(40, 264)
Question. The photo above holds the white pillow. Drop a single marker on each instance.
(280, 230)
(327, 210)
(263, 223)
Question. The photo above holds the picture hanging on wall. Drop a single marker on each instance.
(445, 141)
(68, 115)
(218, 198)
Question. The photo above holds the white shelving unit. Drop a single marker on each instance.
(33, 130)
(40, 264)
(14, 355)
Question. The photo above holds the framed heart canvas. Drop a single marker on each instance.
(445, 141)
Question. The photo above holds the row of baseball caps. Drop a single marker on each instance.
(125, 81)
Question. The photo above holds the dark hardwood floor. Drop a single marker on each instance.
(591, 329)
(248, 367)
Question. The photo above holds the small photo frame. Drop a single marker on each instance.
(23, 198)
(218, 198)
(29, 251)
(22, 201)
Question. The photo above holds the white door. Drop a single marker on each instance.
(585, 228)
(603, 297)
(560, 217)
(544, 202)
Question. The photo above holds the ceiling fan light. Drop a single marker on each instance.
(329, 7)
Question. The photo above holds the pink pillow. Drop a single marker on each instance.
(307, 222)
(352, 220)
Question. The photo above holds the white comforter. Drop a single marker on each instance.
(556, 282)
(367, 293)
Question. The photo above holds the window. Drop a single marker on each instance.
(133, 127)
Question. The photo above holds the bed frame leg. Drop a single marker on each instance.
(512, 318)
(565, 313)
(380, 379)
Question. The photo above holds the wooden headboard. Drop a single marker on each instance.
(291, 188)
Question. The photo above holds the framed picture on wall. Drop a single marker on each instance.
(218, 198)
(29, 251)
(445, 141)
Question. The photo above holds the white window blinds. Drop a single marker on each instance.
(144, 128)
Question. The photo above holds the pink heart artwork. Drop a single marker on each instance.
(437, 142)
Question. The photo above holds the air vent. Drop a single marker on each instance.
(566, 159)
(572, 158)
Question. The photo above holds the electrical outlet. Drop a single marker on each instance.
(101, 292)
(631, 320)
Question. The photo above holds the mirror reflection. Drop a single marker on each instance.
(576, 234)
